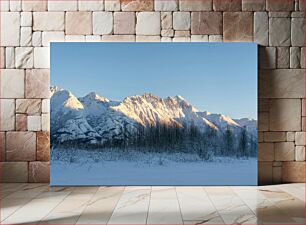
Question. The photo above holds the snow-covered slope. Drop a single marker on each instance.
(148, 110)
(96, 119)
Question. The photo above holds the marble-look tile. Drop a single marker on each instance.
(9, 206)
(297, 191)
(164, 207)
(134, 199)
(246, 192)
(9, 188)
(274, 194)
(32, 212)
(100, 208)
(293, 208)
(29, 191)
(213, 218)
(195, 204)
(68, 211)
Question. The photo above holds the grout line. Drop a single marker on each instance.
(116, 205)
(177, 199)
(55, 207)
(217, 211)
(88, 201)
(149, 205)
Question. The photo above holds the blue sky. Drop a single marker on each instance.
(217, 77)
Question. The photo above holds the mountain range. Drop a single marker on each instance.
(96, 119)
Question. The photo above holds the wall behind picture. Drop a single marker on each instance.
(28, 27)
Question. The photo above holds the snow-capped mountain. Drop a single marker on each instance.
(96, 119)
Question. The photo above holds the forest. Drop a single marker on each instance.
(162, 138)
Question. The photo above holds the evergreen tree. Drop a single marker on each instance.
(243, 141)
(228, 143)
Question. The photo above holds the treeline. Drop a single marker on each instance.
(188, 139)
(179, 139)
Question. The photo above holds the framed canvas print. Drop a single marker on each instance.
(153, 114)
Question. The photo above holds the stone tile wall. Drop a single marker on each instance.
(28, 27)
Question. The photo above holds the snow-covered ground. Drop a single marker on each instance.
(87, 167)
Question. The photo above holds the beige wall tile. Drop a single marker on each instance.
(227, 5)
(2, 146)
(46, 106)
(137, 5)
(293, 172)
(14, 172)
(284, 151)
(34, 123)
(45, 122)
(206, 23)
(181, 21)
(300, 153)
(20, 146)
(285, 115)
(37, 83)
(300, 138)
(124, 22)
(34, 5)
(267, 57)
(265, 173)
(275, 136)
(12, 83)
(39, 172)
(148, 23)
(261, 28)
(169, 5)
(283, 57)
(52, 36)
(25, 36)
(253, 5)
(102, 23)
(112, 5)
(43, 146)
(276, 5)
(78, 23)
(91, 5)
(56, 5)
(21, 122)
(48, 21)
(238, 26)
(147, 38)
(41, 57)
(265, 152)
(7, 114)
(290, 136)
(279, 32)
(118, 38)
(26, 19)
(201, 5)
(28, 106)
(24, 57)
(281, 83)
(10, 28)
(166, 20)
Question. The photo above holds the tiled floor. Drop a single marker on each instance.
(41, 204)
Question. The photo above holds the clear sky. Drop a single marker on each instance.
(215, 77)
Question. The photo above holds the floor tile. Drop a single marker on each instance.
(132, 207)
(164, 207)
(100, 208)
